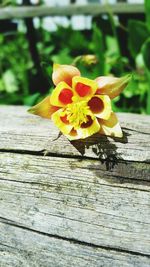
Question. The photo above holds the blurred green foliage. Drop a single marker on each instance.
(65, 46)
(7, 2)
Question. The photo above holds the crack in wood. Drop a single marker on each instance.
(50, 154)
(71, 240)
(46, 185)
(93, 193)
(133, 130)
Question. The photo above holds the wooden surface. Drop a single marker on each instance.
(69, 10)
(62, 203)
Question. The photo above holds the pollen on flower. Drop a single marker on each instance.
(81, 107)
(77, 113)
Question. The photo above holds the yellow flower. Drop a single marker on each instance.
(81, 107)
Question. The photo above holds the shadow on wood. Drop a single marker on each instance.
(102, 147)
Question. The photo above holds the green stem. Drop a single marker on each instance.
(112, 22)
(148, 94)
(76, 60)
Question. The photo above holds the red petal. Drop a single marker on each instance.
(64, 119)
(98, 92)
(88, 123)
(82, 89)
(73, 132)
(65, 96)
(96, 105)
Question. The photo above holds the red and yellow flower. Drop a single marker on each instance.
(81, 107)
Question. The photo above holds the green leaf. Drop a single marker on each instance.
(147, 11)
(148, 94)
(112, 48)
(63, 57)
(2, 85)
(146, 56)
(139, 61)
(138, 33)
(131, 88)
(10, 81)
(31, 99)
(98, 49)
(146, 53)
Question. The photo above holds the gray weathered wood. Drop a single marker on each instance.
(72, 207)
(25, 248)
(91, 9)
(22, 131)
(75, 199)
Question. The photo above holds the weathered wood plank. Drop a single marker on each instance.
(124, 174)
(23, 248)
(20, 131)
(75, 199)
(69, 10)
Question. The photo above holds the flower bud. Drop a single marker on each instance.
(89, 59)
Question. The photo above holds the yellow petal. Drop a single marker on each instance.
(64, 73)
(111, 127)
(84, 87)
(112, 86)
(56, 66)
(57, 118)
(62, 95)
(84, 132)
(44, 108)
(100, 105)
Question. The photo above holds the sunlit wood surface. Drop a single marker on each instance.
(83, 203)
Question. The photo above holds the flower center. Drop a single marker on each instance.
(77, 113)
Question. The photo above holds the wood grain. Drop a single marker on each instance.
(22, 131)
(74, 199)
(84, 203)
(69, 10)
(25, 248)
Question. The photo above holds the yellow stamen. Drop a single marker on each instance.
(77, 113)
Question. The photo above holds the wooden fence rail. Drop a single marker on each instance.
(69, 10)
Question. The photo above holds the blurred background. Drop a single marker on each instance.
(116, 35)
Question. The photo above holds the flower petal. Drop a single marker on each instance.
(62, 95)
(111, 127)
(112, 86)
(43, 109)
(100, 105)
(86, 130)
(61, 122)
(64, 73)
(84, 87)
